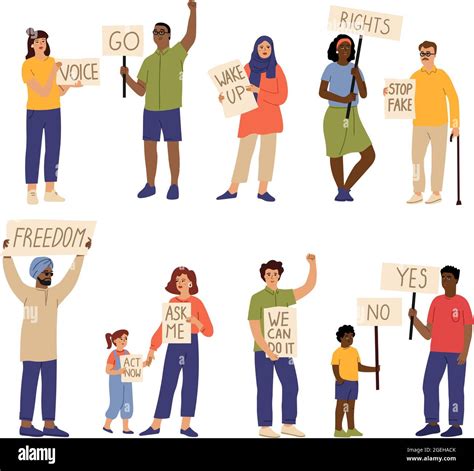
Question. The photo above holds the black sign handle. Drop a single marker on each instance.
(413, 301)
(124, 79)
(359, 47)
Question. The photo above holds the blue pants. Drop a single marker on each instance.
(286, 372)
(29, 383)
(121, 398)
(437, 362)
(185, 357)
(36, 122)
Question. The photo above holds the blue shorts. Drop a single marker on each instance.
(347, 391)
(168, 121)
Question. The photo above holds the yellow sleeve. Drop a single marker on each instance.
(357, 355)
(26, 72)
(450, 92)
(336, 359)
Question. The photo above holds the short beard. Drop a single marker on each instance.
(44, 282)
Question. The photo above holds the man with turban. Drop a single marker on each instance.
(38, 337)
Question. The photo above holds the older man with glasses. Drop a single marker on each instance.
(160, 79)
(433, 86)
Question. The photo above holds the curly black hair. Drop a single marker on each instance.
(452, 270)
(344, 329)
(332, 51)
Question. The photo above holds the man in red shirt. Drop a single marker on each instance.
(449, 327)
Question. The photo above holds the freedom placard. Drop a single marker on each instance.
(87, 71)
(133, 368)
(280, 330)
(122, 40)
(367, 23)
(231, 80)
(175, 328)
(379, 311)
(35, 237)
(412, 278)
(400, 99)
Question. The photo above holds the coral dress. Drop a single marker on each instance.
(266, 119)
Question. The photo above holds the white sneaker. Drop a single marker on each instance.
(268, 432)
(53, 197)
(32, 197)
(415, 199)
(433, 199)
(292, 430)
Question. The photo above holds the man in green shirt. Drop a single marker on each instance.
(161, 80)
(265, 360)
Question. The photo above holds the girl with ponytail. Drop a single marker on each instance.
(121, 397)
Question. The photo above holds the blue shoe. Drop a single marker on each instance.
(30, 432)
(150, 431)
(452, 432)
(147, 191)
(341, 196)
(128, 432)
(348, 195)
(173, 192)
(55, 432)
(108, 430)
(266, 197)
(428, 430)
(189, 432)
(227, 196)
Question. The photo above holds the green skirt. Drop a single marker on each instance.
(341, 137)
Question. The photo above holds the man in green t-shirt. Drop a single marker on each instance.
(265, 360)
(161, 81)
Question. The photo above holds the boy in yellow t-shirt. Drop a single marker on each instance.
(346, 366)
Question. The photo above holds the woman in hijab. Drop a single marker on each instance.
(268, 84)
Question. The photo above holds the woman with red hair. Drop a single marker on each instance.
(182, 356)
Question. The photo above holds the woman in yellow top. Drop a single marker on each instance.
(43, 113)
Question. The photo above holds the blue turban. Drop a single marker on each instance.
(39, 265)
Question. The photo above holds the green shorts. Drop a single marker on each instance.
(342, 138)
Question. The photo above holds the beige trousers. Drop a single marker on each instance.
(266, 159)
(422, 136)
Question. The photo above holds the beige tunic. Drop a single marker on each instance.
(38, 332)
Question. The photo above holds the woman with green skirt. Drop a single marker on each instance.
(344, 136)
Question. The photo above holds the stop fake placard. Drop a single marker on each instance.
(400, 99)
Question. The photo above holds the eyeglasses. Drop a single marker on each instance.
(162, 32)
(427, 54)
(48, 273)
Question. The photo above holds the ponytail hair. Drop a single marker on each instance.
(111, 338)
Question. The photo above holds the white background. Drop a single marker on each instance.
(139, 242)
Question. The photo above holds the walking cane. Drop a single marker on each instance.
(458, 203)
